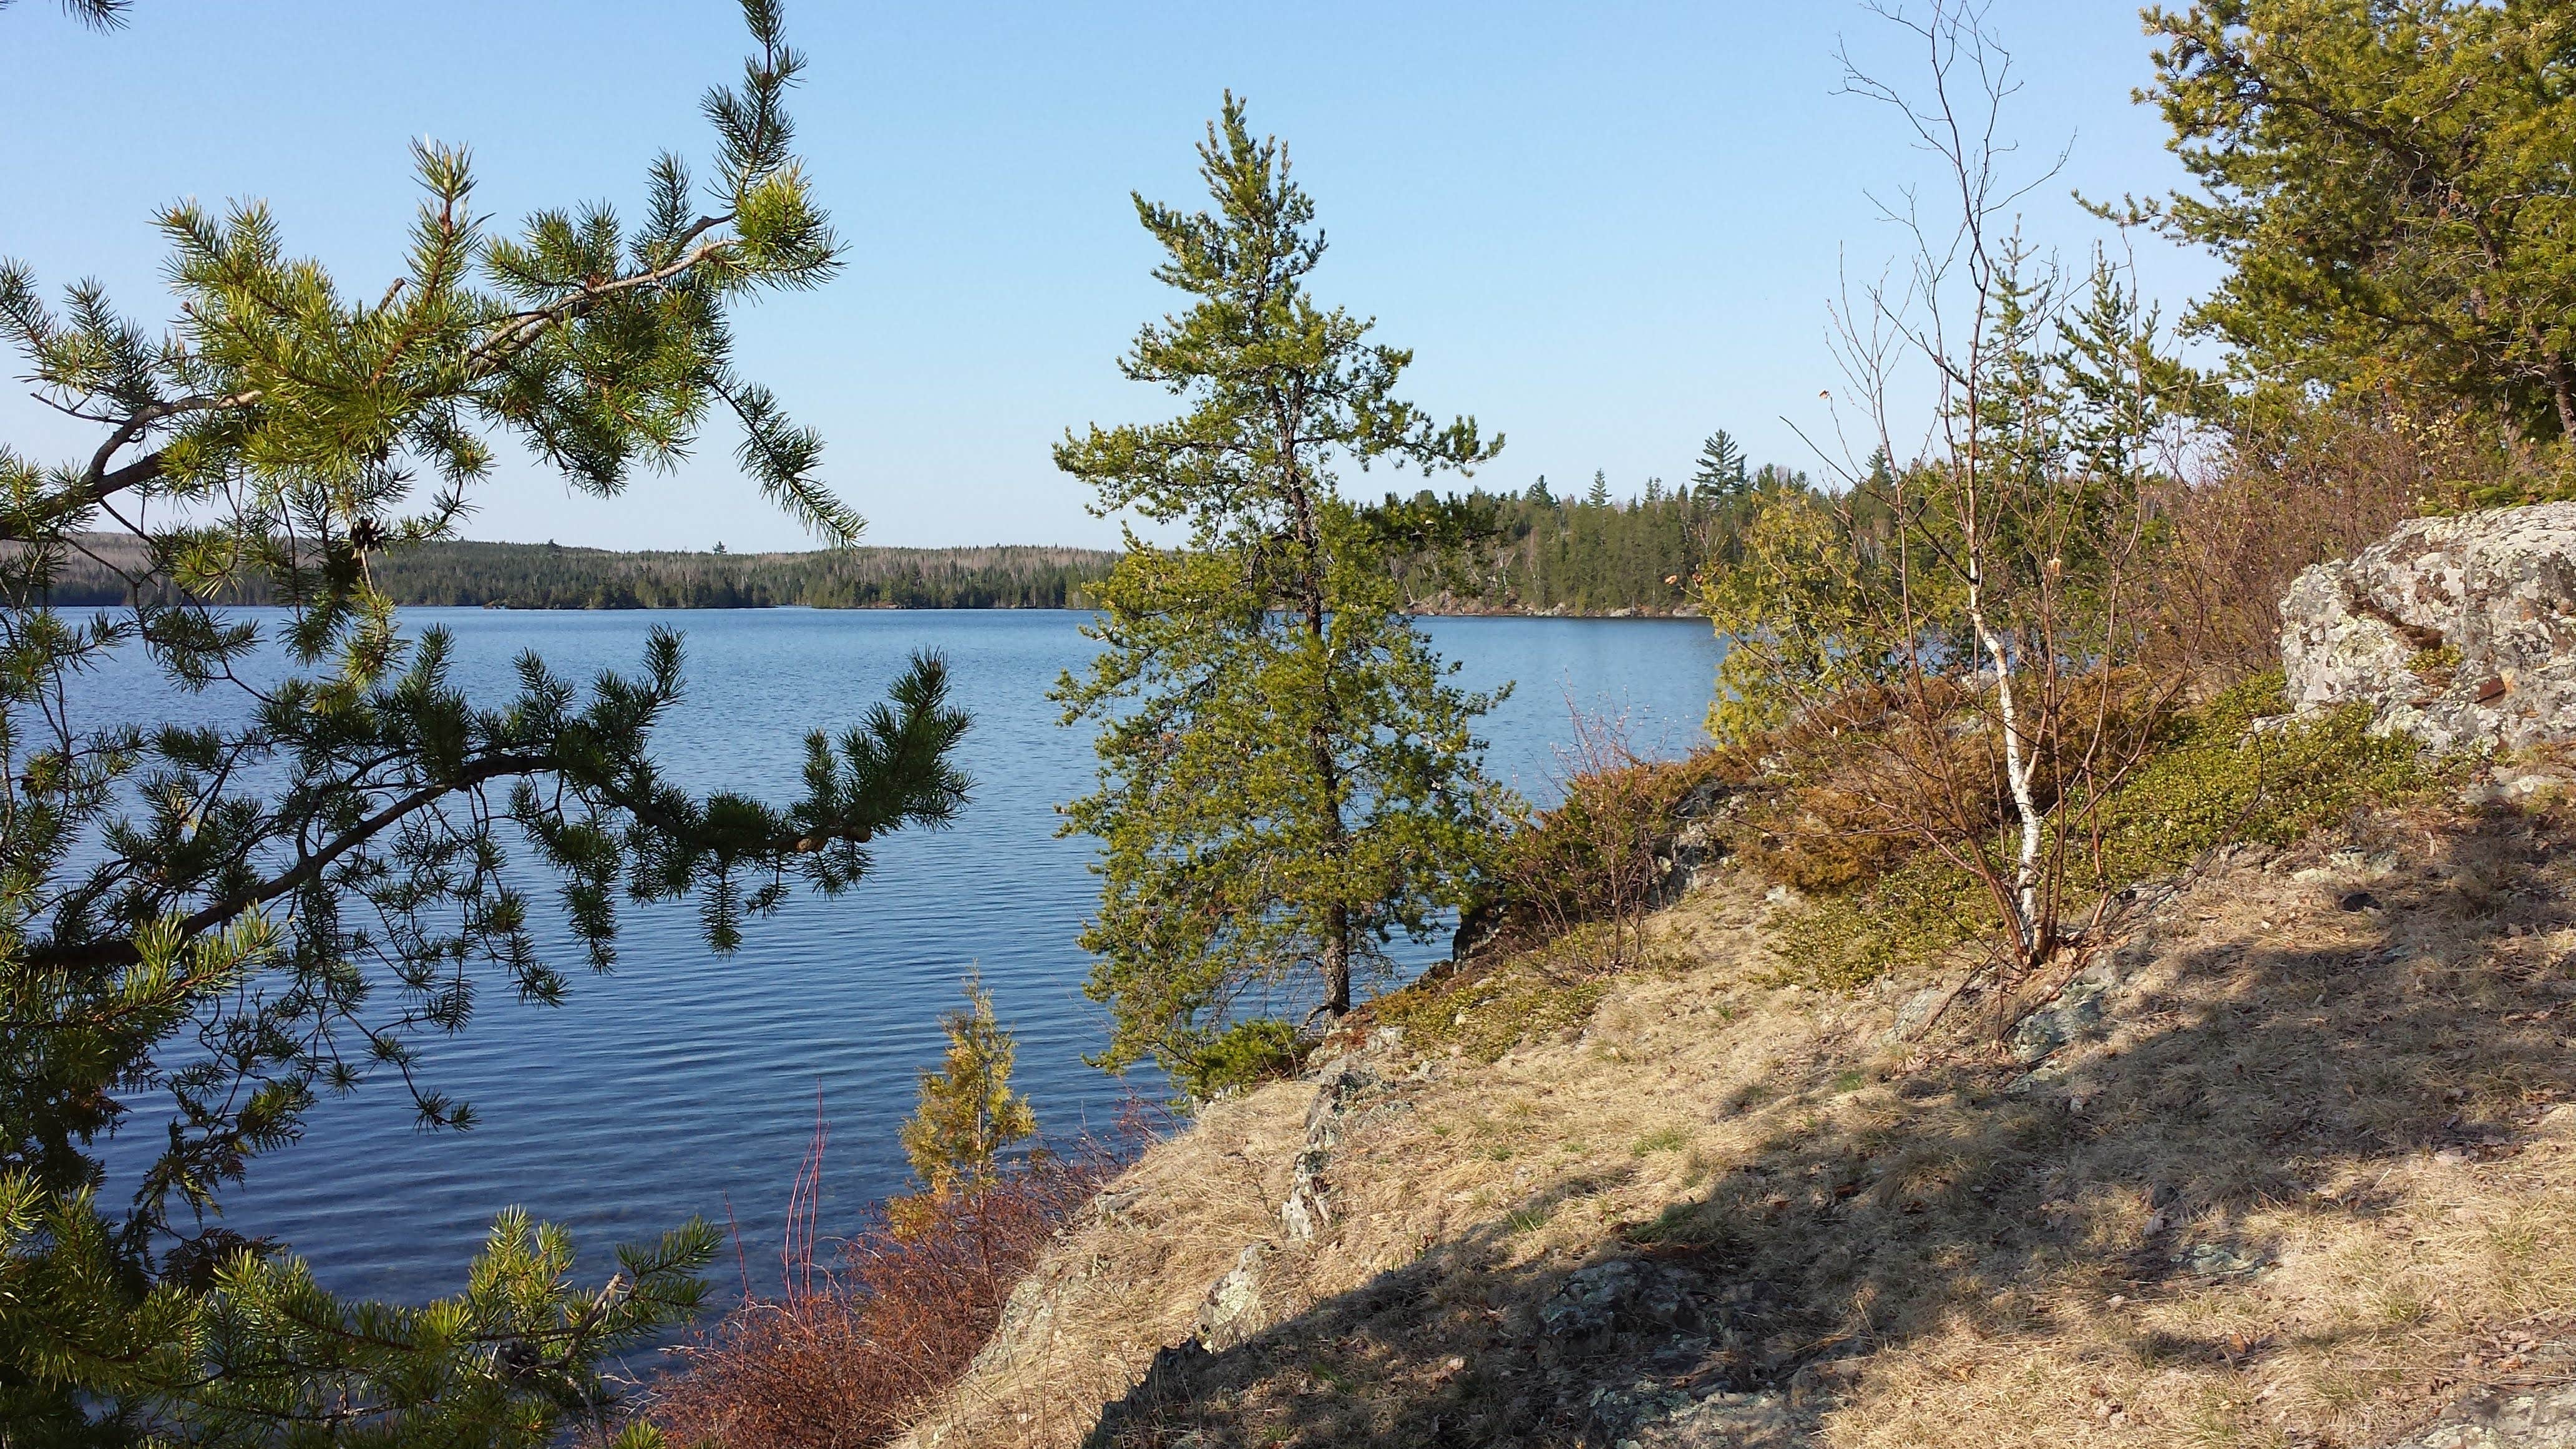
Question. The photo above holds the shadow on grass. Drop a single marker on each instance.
(2248, 1070)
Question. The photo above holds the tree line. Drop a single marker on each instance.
(1536, 552)
(1531, 552)
(107, 570)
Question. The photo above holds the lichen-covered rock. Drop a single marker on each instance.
(2460, 631)
(1620, 1293)
(1726, 1421)
(2501, 1417)
(2074, 1016)
(1306, 1212)
(1231, 1312)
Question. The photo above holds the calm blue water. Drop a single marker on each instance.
(685, 1081)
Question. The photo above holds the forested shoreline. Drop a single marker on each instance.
(466, 574)
(1524, 553)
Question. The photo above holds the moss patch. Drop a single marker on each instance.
(1489, 1016)
(1918, 912)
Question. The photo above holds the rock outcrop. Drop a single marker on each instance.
(2460, 631)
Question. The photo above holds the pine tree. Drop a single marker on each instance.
(1599, 495)
(229, 920)
(1286, 778)
(1538, 493)
(1720, 477)
(969, 1116)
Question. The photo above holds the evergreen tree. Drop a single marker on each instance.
(2388, 184)
(1599, 495)
(1538, 493)
(230, 919)
(1720, 477)
(1286, 777)
(969, 1116)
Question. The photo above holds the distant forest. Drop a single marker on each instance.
(1527, 552)
(1534, 552)
(551, 576)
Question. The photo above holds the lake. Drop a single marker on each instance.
(685, 1082)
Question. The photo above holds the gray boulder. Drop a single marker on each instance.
(2459, 631)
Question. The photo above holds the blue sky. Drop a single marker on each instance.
(1605, 229)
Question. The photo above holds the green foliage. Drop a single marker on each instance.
(205, 927)
(260, 1354)
(1721, 476)
(2388, 186)
(1916, 913)
(1800, 608)
(2217, 779)
(1957, 622)
(1241, 1057)
(1870, 588)
(969, 1116)
(2435, 666)
(1287, 779)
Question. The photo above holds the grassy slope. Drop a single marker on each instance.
(1868, 1242)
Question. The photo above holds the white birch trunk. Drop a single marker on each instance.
(2016, 768)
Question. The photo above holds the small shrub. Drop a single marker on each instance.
(1823, 826)
(968, 1116)
(1919, 912)
(2210, 779)
(1241, 1057)
(849, 1351)
(2217, 779)
(1597, 857)
(2295, 486)
(2435, 666)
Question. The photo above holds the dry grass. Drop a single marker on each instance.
(2311, 1182)
(1129, 1277)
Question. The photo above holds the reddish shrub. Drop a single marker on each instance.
(853, 1349)
(1597, 856)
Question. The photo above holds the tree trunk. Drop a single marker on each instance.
(1328, 781)
(2028, 930)
(1336, 955)
(1337, 961)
